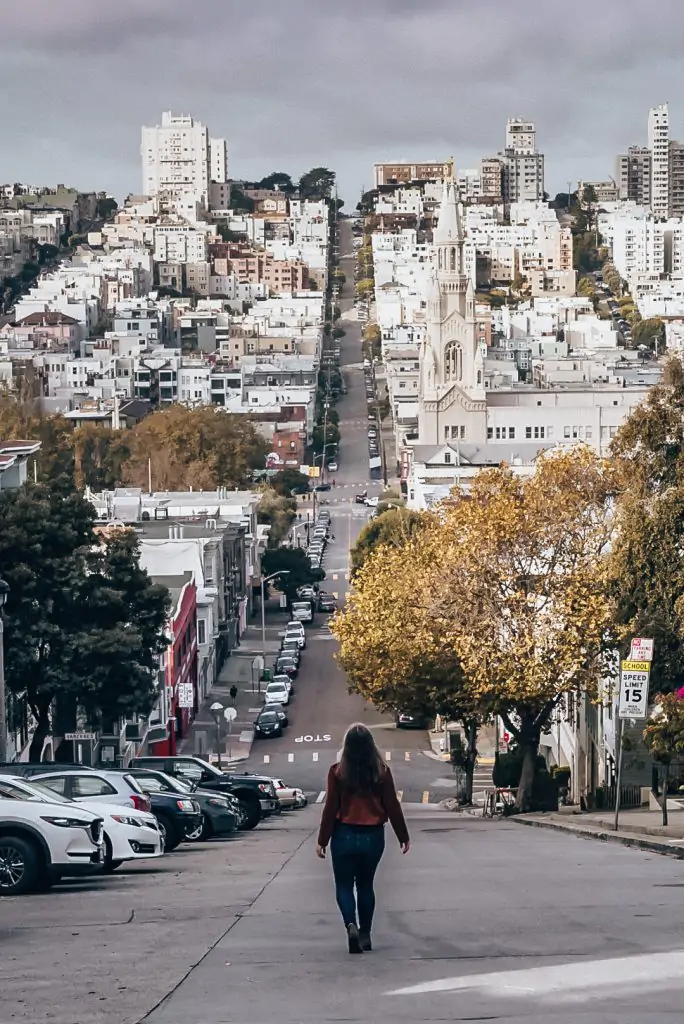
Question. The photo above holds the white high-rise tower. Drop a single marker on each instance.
(179, 158)
(659, 145)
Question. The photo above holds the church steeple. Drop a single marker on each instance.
(449, 238)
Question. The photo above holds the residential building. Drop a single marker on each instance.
(14, 461)
(176, 158)
(218, 161)
(491, 180)
(633, 175)
(398, 173)
(676, 179)
(179, 699)
(659, 145)
(522, 165)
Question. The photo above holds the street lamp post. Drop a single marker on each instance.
(4, 591)
(217, 710)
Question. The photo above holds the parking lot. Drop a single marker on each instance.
(106, 950)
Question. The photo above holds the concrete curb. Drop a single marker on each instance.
(623, 839)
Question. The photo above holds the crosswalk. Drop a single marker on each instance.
(309, 756)
(424, 797)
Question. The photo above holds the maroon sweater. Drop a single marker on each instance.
(374, 808)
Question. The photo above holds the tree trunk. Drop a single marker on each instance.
(470, 759)
(42, 716)
(529, 744)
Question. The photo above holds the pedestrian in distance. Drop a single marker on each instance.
(360, 799)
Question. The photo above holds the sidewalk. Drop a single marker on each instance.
(642, 829)
(238, 670)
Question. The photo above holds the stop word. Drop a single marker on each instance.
(313, 739)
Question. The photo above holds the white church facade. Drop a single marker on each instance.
(452, 401)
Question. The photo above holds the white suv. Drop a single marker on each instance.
(296, 630)
(128, 834)
(41, 841)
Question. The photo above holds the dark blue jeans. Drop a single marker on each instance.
(356, 851)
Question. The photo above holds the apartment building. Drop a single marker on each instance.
(633, 175)
(659, 146)
(178, 158)
(403, 173)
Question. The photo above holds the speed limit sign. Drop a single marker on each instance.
(634, 677)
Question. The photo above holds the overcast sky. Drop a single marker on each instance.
(292, 84)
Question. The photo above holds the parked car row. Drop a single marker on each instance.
(373, 438)
(61, 820)
(318, 538)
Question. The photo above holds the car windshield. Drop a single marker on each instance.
(268, 716)
(163, 784)
(31, 791)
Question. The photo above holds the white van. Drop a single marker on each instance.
(302, 611)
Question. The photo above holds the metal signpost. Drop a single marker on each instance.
(635, 675)
(230, 714)
(78, 737)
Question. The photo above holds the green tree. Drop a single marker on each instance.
(646, 573)
(293, 561)
(664, 736)
(322, 436)
(393, 528)
(240, 202)
(84, 624)
(316, 184)
(278, 511)
(278, 180)
(106, 208)
(648, 332)
(365, 287)
(289, 481)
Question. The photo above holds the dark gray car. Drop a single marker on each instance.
(221, 812)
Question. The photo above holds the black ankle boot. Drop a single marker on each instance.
(353, 937)
(365, 940)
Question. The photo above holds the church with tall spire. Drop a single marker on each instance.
(451, 403)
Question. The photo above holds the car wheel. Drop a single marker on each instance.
(204, 831)
(252, 812)
(109, 864)
(169, 833)
(20, 866)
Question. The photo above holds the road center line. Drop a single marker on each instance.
(290, 758)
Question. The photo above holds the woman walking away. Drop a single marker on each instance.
(360, 798)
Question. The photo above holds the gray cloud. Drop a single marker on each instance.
(296, 84)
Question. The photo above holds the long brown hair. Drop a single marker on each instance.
(361, 765)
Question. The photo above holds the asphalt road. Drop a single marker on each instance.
(322, 708)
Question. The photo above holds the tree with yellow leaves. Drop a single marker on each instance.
(520, 590)
(394, 654)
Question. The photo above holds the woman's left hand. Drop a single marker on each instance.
(320, 851)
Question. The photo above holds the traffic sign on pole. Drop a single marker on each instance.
(634, 678)
(641, 649)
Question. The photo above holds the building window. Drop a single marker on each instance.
(588, 433)
(528, 432)
(447, 457)
(446, 433)
(490, 433)
(462, 432)
(453, 362)
(511, 433)
(201, 631)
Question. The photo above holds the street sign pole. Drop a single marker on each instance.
(618, 777)
(635, 674)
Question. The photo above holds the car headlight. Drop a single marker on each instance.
(185, 805)
(126, 819)
(61, 821)
(217, 801)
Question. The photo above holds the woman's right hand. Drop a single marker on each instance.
(405, 847)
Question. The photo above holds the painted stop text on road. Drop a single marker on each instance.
(314, 739)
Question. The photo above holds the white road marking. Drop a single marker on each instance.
(290, 758)
(407, 755)
(321, 797)
(267, 758)
(388, 755)
(426, 796)
(565, 983)
(315, 755)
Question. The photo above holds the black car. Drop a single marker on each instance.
(323, 487)
(268, 723)
(256, 793)
(327, 603)
(221, 812)
(286, 666)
